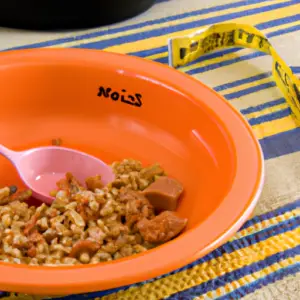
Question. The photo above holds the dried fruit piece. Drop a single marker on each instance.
(84, 246)
(70, 184)
(162, 228)
(94, 183)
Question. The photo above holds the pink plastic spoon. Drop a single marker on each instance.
(40, 168)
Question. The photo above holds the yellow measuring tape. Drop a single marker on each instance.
(183, 50)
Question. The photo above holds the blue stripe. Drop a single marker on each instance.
(296, 69)
(198, 12)
(171, 29)
(220, 281)
(250, 90)
(260, 236)
(271, 214)
(236, 83)
(149, 52)
(271, 278)
(283, 31)
(229, 247)
(93, 295)
(257, 108)
(241, 58)
(270, 117)
(281, 144)
(261, 26)
(277, 22)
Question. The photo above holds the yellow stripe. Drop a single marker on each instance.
(274, 127)
(166, 24)
(214, 268)
(162, 40)
(250, 278)
(267, 111)
(265, 31)
(157, 55)
(266, 224)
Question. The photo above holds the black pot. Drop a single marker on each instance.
(68, 14)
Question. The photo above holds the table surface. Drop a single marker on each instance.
(263, 260)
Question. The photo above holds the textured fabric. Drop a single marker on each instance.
(262, 261)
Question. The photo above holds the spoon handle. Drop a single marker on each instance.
(11, 155)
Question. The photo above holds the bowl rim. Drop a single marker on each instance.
(219, 226)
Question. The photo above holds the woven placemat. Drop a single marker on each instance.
(262, 260)
(265, 250)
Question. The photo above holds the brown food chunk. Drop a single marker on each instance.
(31, 251)
(93, 183)
(70, 184)
(84, 246)
(164, 193)
(137, 206)
(56, 142)
(162, 228)
(34, 239)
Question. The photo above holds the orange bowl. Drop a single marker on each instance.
(115, 106)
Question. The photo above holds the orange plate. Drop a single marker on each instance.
(115, 106)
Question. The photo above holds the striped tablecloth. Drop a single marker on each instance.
(263, 260)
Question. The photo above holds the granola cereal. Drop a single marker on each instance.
(86, 224)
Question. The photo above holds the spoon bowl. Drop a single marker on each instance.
(40, 168)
